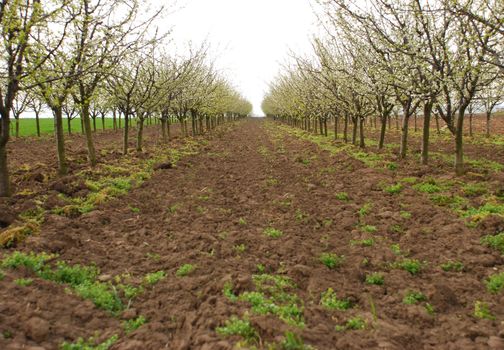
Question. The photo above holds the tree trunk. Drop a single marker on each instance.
(89, 134)
(163, 129)
(426, 132)
(69, 124)
(103, 121)
(94, 123)
(361, 133)
(437, 124)
(335, 128)
(126, 133)
(120, 122)
(459, 144)
(488, 116)
(17, 126)
(60, 140)
(345, 130)
(383, 128)
(404, 135)
(416, 128)
(471, 124)
(5, 190)
(114, 118)
(354, 131)
(140, 126)
(37, 122)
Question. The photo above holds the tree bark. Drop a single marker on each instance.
(89, 134)
(5, 190)
(345, 130)
(126, 133)
(383, 128)
(354, 131)
(361, 133)
(17, 126)
(69, 124)
(60, 140)
(459, 144)
(426, 132)
(140, 126)
(404, 135)
(488, 116)
(37, 123)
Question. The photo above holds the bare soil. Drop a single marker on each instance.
(245, 179)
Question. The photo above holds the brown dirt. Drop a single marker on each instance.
(256, 171)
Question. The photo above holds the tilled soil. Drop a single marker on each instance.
(200, 212)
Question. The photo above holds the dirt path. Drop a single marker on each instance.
(212, 210)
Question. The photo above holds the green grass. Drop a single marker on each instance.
(133, 324)
(369, 228)
(394, 189)
(240, 327)
(272, 232)
(154, 277)
(331, 260)
(185, 270)
(354, 323)
(482, 311)
(89, 344)
(23, 282)
(363, 242)
(494, 241)
(330, 301)
(27, 126)
(495, 283)
(455, 266)
(272, 296)
(413, 266)
(375, 278)
(427, 187)
(82, 279)
(342, 196)
(474, 189)
(413, 297)
(101, 294)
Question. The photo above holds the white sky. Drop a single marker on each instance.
(251, 38)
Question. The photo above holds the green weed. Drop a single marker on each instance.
(132, 325)
(330, 300)
(413, 297)
(368, 228)
(293, 341)
(23, 282)
(474, 189)
(413, 266)
(456, 266)
(375, 278)
(331, 260)
(342, 196)
(427, 187)
(365, 210)
(405, 214)
(32, 261)
(482, 311)
(236, 326)
(185, 270)
(496, 241)
(272, 232)
(101, 295)
(363, 242)
(242, 221)
(394, 189)
(240, 248)
(355, 323)
(154, 277)
(89, 344)
(495, 283)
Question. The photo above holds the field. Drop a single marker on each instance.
(258, 235)
(28, 127)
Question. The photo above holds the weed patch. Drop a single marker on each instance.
(330, 301)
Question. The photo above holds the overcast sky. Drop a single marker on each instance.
(250, 37)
